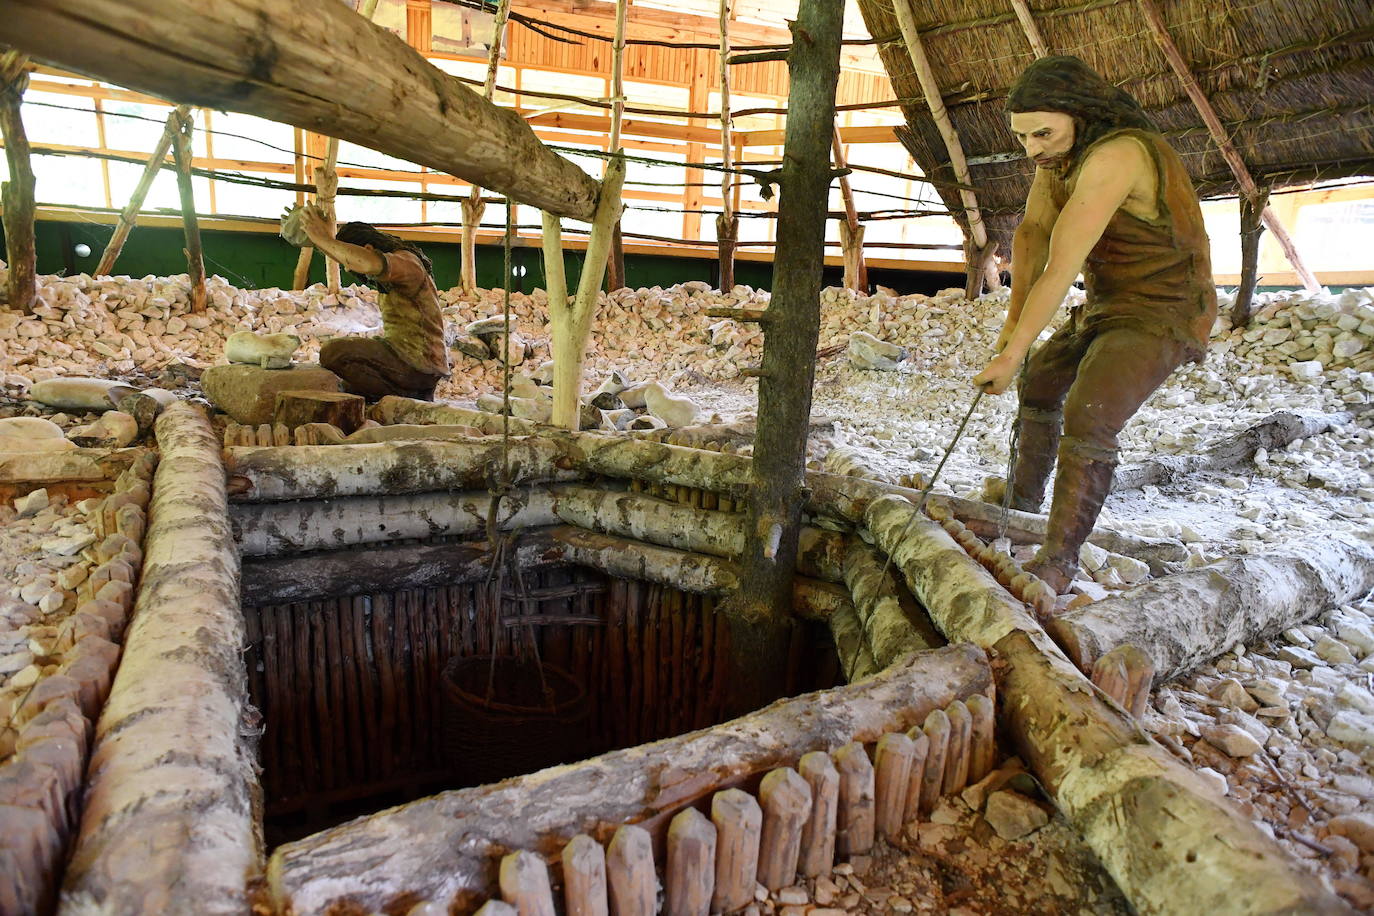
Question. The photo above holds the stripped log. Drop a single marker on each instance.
(817, 854)
(1275, 431)
(851, 646)
(1183, 841)
(445, 847)
(630, 872)
(892, 777)
(1184, 620)
(213, 56)
(738, 821)
(691, 870)
(525, 884)
(854, 821)
(274, 529)
(786, 801)
(584, 877)
(327, 471)
(669, 524)
(893, 624)
(187, 807)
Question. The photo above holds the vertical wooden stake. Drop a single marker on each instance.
(727, 224)
(1251, 228)
(854, 825)
(786, 801)
(525, 884)
(738, 821)
(895, 755)
(983, 743)
(851, 230)
(932, 781)
(1109, 674)
(129, 214)
(690, 875)
(16, 195)
(326, 187)
(818, 833)
(761, 612)
(957, 757)
(584, 878)
(630, 871)
(195, 264)
(920, 751)
(473, 207)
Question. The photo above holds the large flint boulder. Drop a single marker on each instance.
(248, 394)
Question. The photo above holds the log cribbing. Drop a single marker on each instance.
(172, 774)
(1160, 831)
(284, 528)
(446, 847)
(295, 63)
(892, 623)
(1183, 620)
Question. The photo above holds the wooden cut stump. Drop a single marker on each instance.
(298, 407)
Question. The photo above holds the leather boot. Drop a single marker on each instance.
(1080, 488)
(1037, 441)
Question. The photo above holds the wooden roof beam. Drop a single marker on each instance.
(1227, 149)
(1037, 41)
(298, 63)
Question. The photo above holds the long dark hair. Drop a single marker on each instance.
(356, 233)
(1067, 85)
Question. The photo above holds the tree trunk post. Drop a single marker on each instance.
(17, 193)
(851, 230)
(129, 214)
(326, 186)
(727, 239)
(195, 265)
(615, 264)
(759, 614)
(1251, 229)
(473, 207)
(727, 224)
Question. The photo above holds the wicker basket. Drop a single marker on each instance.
(520, 728)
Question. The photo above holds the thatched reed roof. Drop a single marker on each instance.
(1291, 80)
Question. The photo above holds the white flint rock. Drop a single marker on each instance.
(270, 351)
(1012, 815)
(26, 428)
(1231, 739)
(79, 393)
(31, 503)
(673, 411)
(1352, 728)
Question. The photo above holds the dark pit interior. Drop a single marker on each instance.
(360, 714)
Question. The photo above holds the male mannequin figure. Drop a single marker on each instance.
(409, 358)
(1113, 200)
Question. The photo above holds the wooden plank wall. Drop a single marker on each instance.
(351, 695)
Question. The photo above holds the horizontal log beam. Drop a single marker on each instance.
(447, 847)
(1162, 833)
(299, 526)
(1183, 620)
(300, 63)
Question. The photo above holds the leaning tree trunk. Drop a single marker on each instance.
(1251, 228)
(195, 263)
(776, 495)
(1162, 833)
(1184, 620)
(129, 215)
(16, 195)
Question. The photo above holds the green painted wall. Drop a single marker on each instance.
(257, 260)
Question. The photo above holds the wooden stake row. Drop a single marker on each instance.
(1027, 588)
(831, 805)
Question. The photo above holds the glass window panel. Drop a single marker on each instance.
(241, 136)
(68, 180)
(1222, 219)
(249, 200)
(361, 156)
(132, 126)
(379, 209)
(1337, 235)
(161, 194)
(67, 120)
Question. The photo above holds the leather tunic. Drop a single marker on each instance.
(1150, 274)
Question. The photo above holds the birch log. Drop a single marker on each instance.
(129, 215)
(1162, 833)
(171, 819)
(1184, 620)
(893, 623)
(273, 529)
(445, 847)
(16, 194)
(297, 63)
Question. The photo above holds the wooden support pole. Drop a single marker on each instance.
(584, 877)
(818, 833)
(571, 325)
(630, 872)
(195, 263)
(1037, 41)
(690, 875)
(1251, 228)
(129, 215)
(757, 618)
(1182, 841)
(892, 779)
(326, 187)
(739, 822)
(16, 194)
(616, 259)
(975, 230)
(727, 223)
(212, 55)
(786, 801)
(472, 206)
(555, 275)
(851, 230)
(1248, 188)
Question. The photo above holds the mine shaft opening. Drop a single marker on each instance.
(376, 699)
